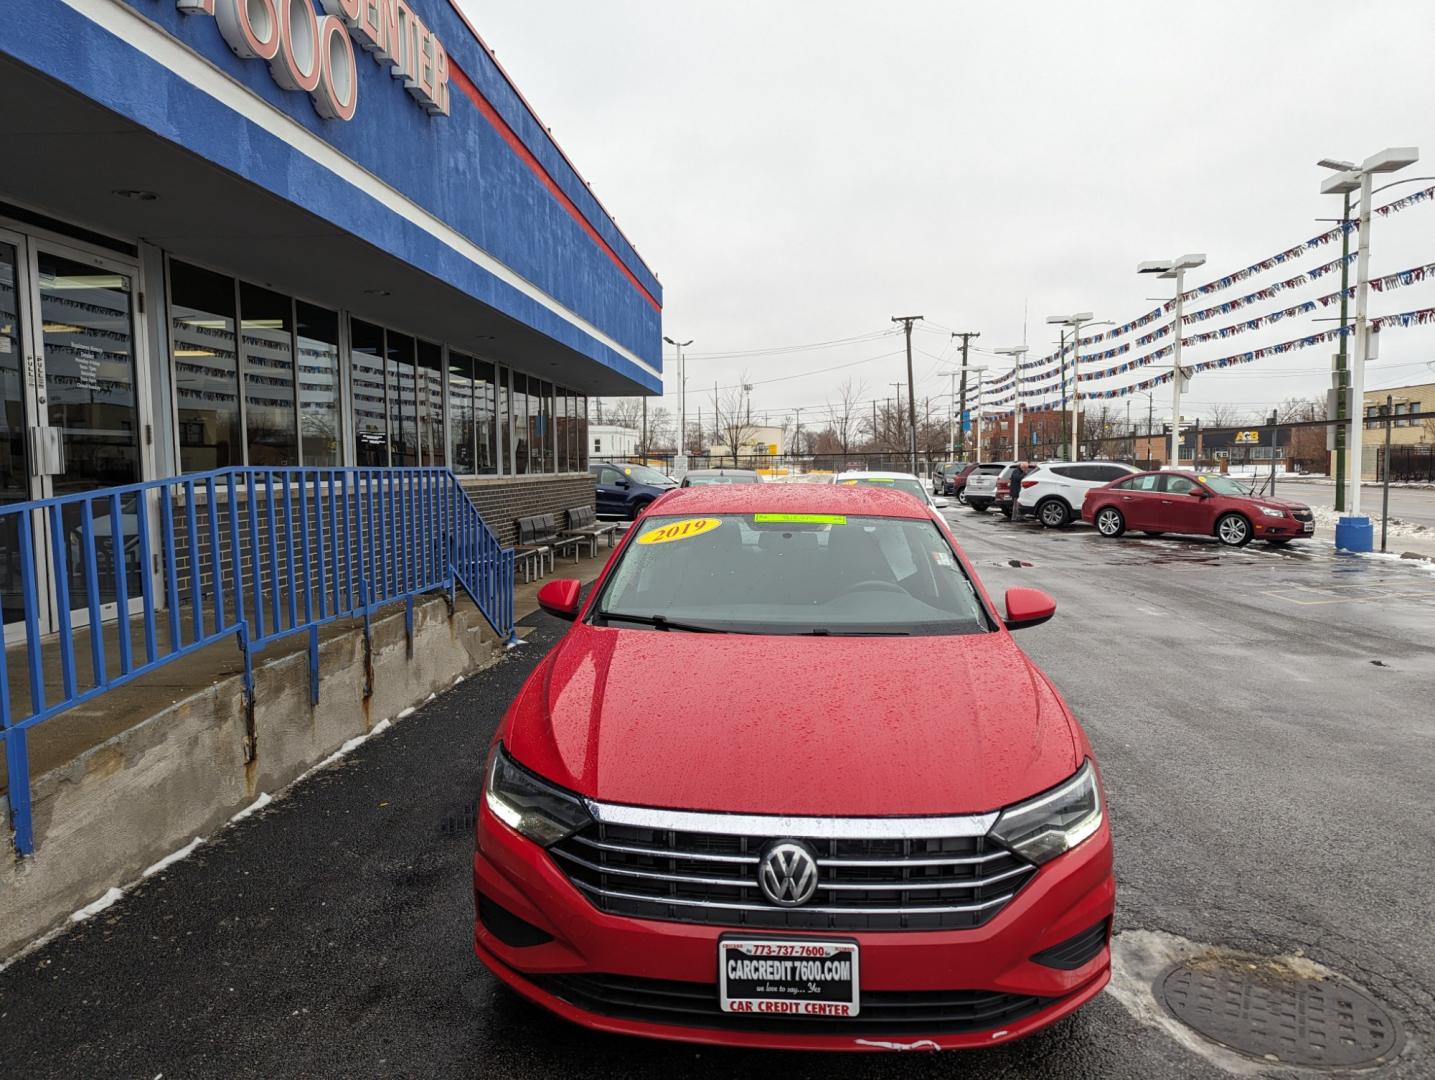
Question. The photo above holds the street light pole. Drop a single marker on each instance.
(1353, 532)
(907, 321)
(1016, 352)
(680, 464)
(1175, 269)
(1075, 322)
(1342, 363)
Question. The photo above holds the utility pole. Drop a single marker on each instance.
(952, 420)
(907, 321)
(645, 430)
(966, 336)
(899, 403)
(797, 433)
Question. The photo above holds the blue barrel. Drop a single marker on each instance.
(1354, 534)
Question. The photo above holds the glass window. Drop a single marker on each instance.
(206, 373)
(429, 386)
(540, 426)
(1147, 482)
(1180, 485)
(371, 428)
(740, 574)
(461, 414)
(575, 449)
(266, 323)
(560, 429)
(402, 382)
(317, 338)
(582, 434)
(503, 425)
(484, 424)
(522, 436)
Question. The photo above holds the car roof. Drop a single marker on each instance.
(876, 474)
(1094, 461)
(722, 472)
(789, 499)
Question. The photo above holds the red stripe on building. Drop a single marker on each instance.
(489, 113)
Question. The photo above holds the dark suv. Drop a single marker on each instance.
(951, 479)
(626, 490)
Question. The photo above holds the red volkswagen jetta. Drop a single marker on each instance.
(731, 806)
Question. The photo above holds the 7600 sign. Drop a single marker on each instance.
(316, 55)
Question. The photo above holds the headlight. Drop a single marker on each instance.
(1271, 512)
(539, 810)
(1042, 828)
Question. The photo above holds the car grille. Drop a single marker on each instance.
(660, 1001)
(864, 884)
(1302, 515)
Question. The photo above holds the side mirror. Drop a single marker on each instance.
(560, 598)
(1024, 607)
(624, 484)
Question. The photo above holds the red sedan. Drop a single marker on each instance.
(730, 806)
(1200, 504)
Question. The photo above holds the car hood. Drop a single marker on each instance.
(1277, 504)
(793, 725)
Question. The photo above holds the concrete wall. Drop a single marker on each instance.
(125, 804)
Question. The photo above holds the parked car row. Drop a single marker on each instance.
(1115, 498)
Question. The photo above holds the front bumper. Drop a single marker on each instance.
(1069, 895)
(1268, 528)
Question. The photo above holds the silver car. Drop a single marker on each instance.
(981, 489)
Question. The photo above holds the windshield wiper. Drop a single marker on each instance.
(856, 633)
(662, 622)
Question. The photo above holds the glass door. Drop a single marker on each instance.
(84, 308)
(16, 410)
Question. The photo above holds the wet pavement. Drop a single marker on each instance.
(1264, 723)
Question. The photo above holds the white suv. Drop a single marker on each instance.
(1054, 492)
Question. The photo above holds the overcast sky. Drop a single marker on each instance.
(799, 172)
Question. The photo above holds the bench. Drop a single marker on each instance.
(531, 547)
(583, 523)
(556, 540)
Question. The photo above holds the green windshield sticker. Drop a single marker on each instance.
(801, 519)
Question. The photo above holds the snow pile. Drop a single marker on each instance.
(1326, 518)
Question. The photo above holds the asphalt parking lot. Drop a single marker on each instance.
(1264, 723)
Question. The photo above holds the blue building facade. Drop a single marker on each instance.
(285, 233)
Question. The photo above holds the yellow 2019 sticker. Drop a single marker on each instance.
(801, 519)
(680, 530)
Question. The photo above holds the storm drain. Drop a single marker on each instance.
(1269, 1011)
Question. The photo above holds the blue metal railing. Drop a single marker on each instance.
(161, 569)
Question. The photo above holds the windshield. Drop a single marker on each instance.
(911, 485)
(644, 475)
(1223, 485)
(694, 480)
(791, 574)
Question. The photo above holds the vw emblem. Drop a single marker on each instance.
(787, 873)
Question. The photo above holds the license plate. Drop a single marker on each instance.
(787, 977)
(1309, 527)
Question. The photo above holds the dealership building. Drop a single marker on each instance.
(278, 233)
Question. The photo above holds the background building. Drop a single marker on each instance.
(1412, 441)
(328, 259)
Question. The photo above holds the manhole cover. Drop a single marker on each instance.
(1265, 1009)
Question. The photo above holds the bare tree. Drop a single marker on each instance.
(624, 412)
(1224, 416)
(731, 419)
(845, 414)
(662, 430)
